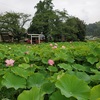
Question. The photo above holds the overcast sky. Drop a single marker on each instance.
(87, 10)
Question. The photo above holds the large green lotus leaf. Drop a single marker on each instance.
(20, 71)
(63, 56)
(1, 56)
(2, 72)
(65, 66)
(24, 66)
(11, 80)
(95, 93)
(34, 94)
(71, 86)
(58, 96)
(48, 87)
(45, 60)
(55, 76)
(83, 76)
(98, 65)
(26, 59)
(70, 72)
(79, 67)
(0, 82)
(95, 77)
(52, 69)
(92, 59)
(96, 51)
(94, 71)
(60, 56)
(70, 59)
(36, 79)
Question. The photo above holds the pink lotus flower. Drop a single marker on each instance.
(51, 44)
(9, 62)
(63, 47)
(54, 47)
(50, 62)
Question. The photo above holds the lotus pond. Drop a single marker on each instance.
(50, 71)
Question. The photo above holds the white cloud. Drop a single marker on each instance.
(87, 10)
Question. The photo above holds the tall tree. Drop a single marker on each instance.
(60, 25)
(56, 25)
(76, 28)
(44, 18)
(93, 29)
(14, 23)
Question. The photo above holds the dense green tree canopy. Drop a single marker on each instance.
(14, 23)
(56, 25)
(93, 29)
(76, 28)
(44, 18)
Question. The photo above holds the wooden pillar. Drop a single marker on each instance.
(31, 39)
(39, 39)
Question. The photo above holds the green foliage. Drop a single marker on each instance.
(48, 87)
(65, 66)
(11, 80)
(11, 22)
(73, 76)
(57, 96)
(93, 29)
(76, 29)
(56, 25)
(71, 86)
(34, 94)
(95, 94)
(36, 79)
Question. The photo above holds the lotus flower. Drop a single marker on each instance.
(50, 62)
(54, 47)
(51, 44)
(63, 47)
(9, 62)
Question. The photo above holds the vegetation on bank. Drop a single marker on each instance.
(50, 71)
(93, 29)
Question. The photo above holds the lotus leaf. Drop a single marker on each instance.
(57, 96)
(34, 94)
(36, 79)
(11, 80)
(65, 66)
(20, 71)
(95, 93)
(71, 86)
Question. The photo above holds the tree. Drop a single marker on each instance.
(76, 29)
(56, 25)
(14, 23)
(60, 25)
(47, 20)
(43, 18)
(93, 29)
